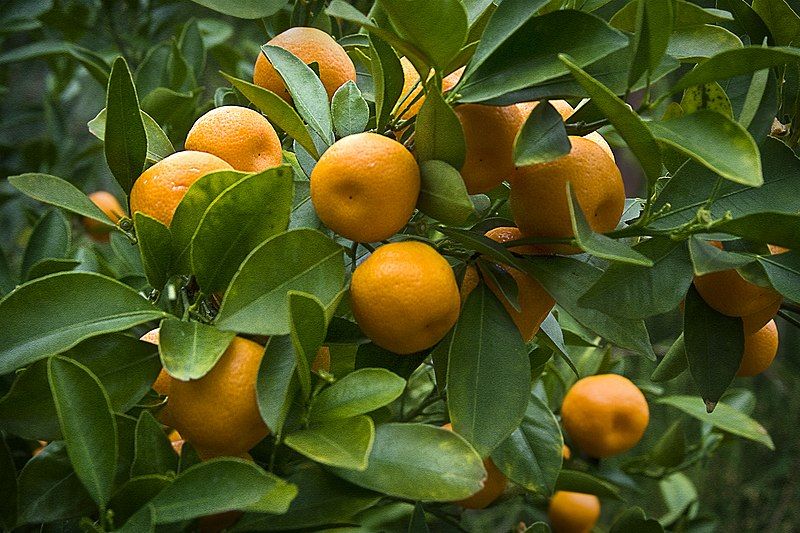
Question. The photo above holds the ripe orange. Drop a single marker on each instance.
(238, 135)
(538, 196)
(161, 384)
(160, 188)
(566, 453)
(412, 87)
(311, 46)
(493, 486)
(573, 512)
(489, 132)
(218, 413)
(605, 415)
(405, 297)
(760, 349)
(730, 294)
(109, 205)
(365, 187)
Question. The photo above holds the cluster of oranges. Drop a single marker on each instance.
(405, 296)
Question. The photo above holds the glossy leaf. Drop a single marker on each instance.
(696, 43)
(443, 194)
(438, 132)
(58, 192)
(50, 239)
(387, 74)
(783, 271)
(246, 9)
(654, 20)
(576, 481)
(707, 258)
(277, 383)
(190, 349)
(359, 392)
(542, 138)
(349, 110)
(154, 453)
(308, 326)
(343, 443)
(155, 247)
(125, 137)
(52, 314)
(781, 19)
(158, 144)
(782, 229)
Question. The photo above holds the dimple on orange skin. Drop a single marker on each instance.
(538, 196)
(493, 486)
(489, 132)
(310, 45)
(405, 297)
(760, 349)
(365, 187)
(573, 512)
(160, 188)
(218, 413)
(605, 415)
(243, 138)
(109, 205)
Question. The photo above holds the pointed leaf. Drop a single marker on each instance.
(154, 453)
(349, 110)
(359, 392)
(542, 138)
(155, 247)
(343, 443)
(190, 349)
(58, 192)
(387, 74)
(443, 194)
(125, 136)
(438, 133)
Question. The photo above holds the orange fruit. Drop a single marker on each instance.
(493, 486)
(538, 196)
(160, 188)
(218, 413)
(365, 187)
(109, 205)
(243, 138)
(605, 415)
(760, 349)
(405, 297)
(310, 45)
(161, 384)
(732, 295)
(566, 453)
(489, 132)
(534, 302)
(573, 512)
(408, 102)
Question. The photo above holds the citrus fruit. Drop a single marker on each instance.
(218, 413)
(566, 453)
(493, 486)
(238, 135)
(489, 133)
(310, 45)
(109, 205)
(404, 297)
(573, 512)
(161, 384)
(730, 294)
(538, 196)
(605, 415)
(160, 188)
(365, 187)
(760, 349)
(410, 103)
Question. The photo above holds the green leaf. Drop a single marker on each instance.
(343, 443)
(244, 9)
(715, 142)
(597, 244)
(542, 138)
(7, 280)
(240, 218)
(653, 28)
(158, 144)
(407, 462)
(724, 417)
(322, 499)
(192, 47)
(308, 325)
(277, 111)
(155, 248)
(277, 383)
(566, 280)
(575, 481)
(221, 485)
(189, 350)
(673, 364)
(685, 14)
(87, 424)
(93, 62)
(134, 495)
(418, 523)
(50, 266)
(512, 64)
(258, 305)
(308, 93)
(58, 192)
(488, 374)
(634, 519)
(50, 239)
(707, 258)
(349, 110)
(782, 21)
(125, 136)
(49, 490)
(695, 43)
(52, 314)
(387, 74)
(8, 487)
(625, 121)
(359, 392)
(707, 96)
(531, 456)
(438, 29)
(783, 271)
(632, 291)
(154, 453)
(443, 194)
(782, 229)
(749, 20)
(714, 347)
(736, 62)
(438, 133)
(670, 450)
(678, 493)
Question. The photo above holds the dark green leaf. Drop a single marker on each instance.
(245, 9)
(438, 133)
(190, 349)
(192, 47)
(575, 481)
(387, 74)
(707, 258)
(155, 247)
(749, 20)
(349, 110)
(673, 364)
(308, 325)
(158, 144)
(418, 523)
(343, 443)
(783, 271)
(125, 136)
(8, 487)
(46, 267)
(542, 138)
(634, 519)
(50, 239)
(782, 21)
(135, 494)
(58, 192)
(695, 43)
(359, 392)
(685, 14)
(443, 194)
(277, 384)
(653, 28)
(782, 229)
(154, 453)
(93, 62)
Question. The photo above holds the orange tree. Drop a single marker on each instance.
(393, 279)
